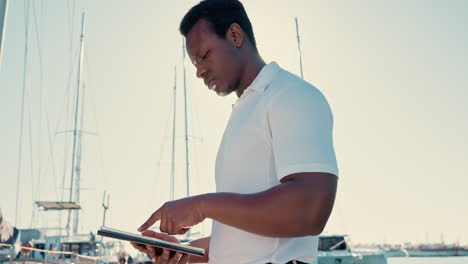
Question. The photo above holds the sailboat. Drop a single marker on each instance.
(72, 247)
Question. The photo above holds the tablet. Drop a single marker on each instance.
(122, 235)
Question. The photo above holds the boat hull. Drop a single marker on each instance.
(353, 259)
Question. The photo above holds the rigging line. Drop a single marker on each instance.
(69, 32)
(195, 147)
(187, 171)
(40, 87)
(101, 157)
(22, 107)
(191, 124)
(94, 111)
(75, 121)
(72, 29)
(67, 113)
(66, 103)
(168, 119)
(51, 157)
(80, 163)
(31, 157)
(197, 122)
(166, 129)
(172, 186)
(72, 68)
(71, 26)
(93, 104)
(194, 143)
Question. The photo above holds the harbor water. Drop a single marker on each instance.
(429, 260)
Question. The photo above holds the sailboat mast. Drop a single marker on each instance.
(186, 127)
(78, 164)
(105, 206)
(173, 137)
(76, 132)
(299, 46)
(3, 19)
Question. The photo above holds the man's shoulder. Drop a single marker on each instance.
(287, 83)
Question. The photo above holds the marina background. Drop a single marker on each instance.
(394, 74)
(435, 260)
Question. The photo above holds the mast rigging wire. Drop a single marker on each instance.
(18, 180)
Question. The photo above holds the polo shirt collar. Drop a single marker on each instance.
(264, 77)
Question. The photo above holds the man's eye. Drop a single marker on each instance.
(206, 54)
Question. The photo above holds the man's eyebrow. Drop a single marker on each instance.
(187, 52)
(195, 57)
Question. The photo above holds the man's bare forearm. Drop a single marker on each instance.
(200, 243)
(298, 207)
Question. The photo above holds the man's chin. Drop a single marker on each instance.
(223, 93)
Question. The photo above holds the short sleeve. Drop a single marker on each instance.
(301, 127)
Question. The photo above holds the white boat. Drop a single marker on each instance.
(335, 249)
(437, 251)
(83, 248)
(79, 248)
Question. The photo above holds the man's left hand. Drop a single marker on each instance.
(176, 216)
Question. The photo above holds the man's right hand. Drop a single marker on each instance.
(159, 255)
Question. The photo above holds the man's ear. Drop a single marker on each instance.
(235, 35)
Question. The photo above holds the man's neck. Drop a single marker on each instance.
(251, 71)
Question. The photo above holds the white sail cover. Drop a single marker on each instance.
(3, 16)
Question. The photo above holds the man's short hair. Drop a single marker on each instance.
(221, 14)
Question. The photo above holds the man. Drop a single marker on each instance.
(276, 172)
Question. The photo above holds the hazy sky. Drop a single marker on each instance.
(394, 73)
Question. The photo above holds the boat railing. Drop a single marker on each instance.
(337, 245)
(49, 256)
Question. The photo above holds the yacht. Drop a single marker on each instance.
(335, 249)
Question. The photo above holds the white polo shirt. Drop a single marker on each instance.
(279, 126)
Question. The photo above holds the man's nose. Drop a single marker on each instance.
(201, 71)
